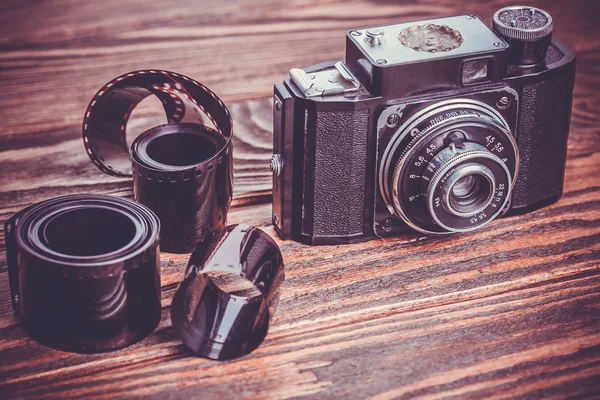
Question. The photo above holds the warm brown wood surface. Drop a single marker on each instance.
(509, 311)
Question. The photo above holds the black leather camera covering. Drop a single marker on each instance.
(545, 116)
(335, 151)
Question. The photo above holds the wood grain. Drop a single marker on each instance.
(509, 311)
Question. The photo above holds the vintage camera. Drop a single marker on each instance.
(439, 125)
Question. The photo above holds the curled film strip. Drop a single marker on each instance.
(181, 170)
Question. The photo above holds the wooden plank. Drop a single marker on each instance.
(511, 310)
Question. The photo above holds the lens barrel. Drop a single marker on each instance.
(450, 167)
(467, 209)
(469, 190)
(84, 271)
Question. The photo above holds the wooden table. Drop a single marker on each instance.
(511, 310)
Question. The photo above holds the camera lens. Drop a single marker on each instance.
(470, 190)
(464, 186)
(449, 168)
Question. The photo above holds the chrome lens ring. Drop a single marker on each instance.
(475, 203)
(422, 146)
(481, 163)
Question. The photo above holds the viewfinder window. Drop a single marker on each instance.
(476, 71)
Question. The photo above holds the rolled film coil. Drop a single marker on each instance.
(84, 271)
(182, 170)
(218, 320)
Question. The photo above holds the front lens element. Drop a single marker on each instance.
(469, 191)
(464, 190)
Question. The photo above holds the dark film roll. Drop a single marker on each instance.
(181, 170)
(224, 306)
(182, 176)
(84, 271)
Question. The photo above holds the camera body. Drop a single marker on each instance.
(439, 126)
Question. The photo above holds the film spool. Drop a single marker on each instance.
(222, 324)
(181, 170)
(84, 271)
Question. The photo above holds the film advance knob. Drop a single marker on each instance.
(528, 31)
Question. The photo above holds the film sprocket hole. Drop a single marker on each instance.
(439, 125)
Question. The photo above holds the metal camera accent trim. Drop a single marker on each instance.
(480, 170)
(439, 176)
(478, 39)
(326, 82)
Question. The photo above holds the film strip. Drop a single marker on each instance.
(222, 324)
(84, 271)
(181, 170)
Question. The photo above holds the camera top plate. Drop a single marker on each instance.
(426, 40)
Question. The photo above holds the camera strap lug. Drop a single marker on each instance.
(282, 161)
(325, 82)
